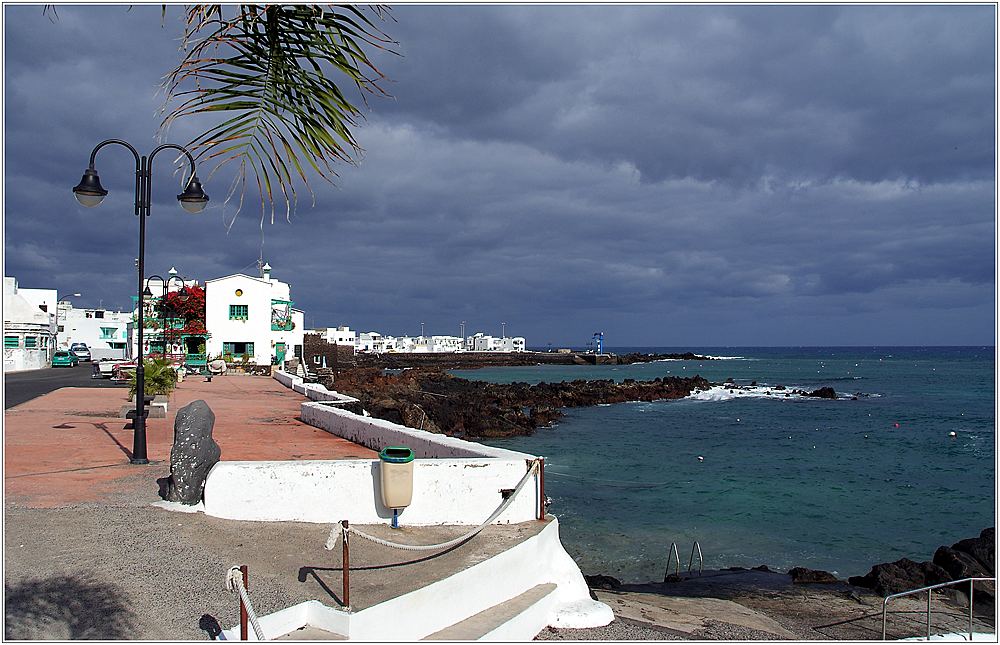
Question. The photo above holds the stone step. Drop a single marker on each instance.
(481, 625)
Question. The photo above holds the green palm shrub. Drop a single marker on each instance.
(160, 377)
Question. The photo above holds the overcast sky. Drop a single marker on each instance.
(670, 175)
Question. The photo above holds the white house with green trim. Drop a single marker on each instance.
(28, 331)
(105, 332)
(252, 318)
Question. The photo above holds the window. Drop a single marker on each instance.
(298, 351)
(11, 341)
(238, 349)
(45, 342)
(107, 333)
(98, 314)
(61, 328)
(239, 312)
(30, 342)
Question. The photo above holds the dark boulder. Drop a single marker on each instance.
(602, 582)
(824, 393)
(959, 565)
(193, 454)
(982, 548)
(901, 575)
(801, 575)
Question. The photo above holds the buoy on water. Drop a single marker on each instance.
(895, 425)
(700, 458)
(952, 434)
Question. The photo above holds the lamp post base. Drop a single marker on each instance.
(138, 462)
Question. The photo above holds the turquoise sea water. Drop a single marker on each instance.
(831, 485)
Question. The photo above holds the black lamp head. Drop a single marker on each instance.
(193, 199)
(89, 192)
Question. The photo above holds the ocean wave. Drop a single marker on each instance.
(726, 393)
(729, 392)
(726, 358)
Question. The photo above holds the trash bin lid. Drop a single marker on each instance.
(396, 455)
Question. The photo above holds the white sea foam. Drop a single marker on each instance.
(726, 393)
(726, 358)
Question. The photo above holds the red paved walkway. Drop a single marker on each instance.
(70, 446)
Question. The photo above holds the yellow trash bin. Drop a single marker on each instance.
(396, 477)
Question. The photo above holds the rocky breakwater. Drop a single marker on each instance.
(476, 360)
(436, 401)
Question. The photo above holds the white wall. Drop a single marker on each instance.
(445, 491)
(23, 319)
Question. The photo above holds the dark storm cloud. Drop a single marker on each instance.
(679, 175)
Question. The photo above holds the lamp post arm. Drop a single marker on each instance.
(173, 146)
(138, 165)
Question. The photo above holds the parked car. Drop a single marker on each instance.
(104, 368)
(81, 350)
(63, 358)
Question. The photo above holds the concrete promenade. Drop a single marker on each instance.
(69, 446)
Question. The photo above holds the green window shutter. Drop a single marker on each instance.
(227, 348)
(31, 342)
(239, 312)
(249, 349)
(11, 341)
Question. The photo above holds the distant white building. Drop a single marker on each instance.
(338, 335)
(480, 342)
(105, 332)
(28, 330)
(253, 318)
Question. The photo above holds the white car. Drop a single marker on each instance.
(81, 350)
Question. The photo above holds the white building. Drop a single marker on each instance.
(28, 331)
(105, 332)
(253, 318)
(338, 335)
(480, 342)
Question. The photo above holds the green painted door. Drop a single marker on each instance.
(279, 350)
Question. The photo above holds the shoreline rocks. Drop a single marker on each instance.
(430, 399)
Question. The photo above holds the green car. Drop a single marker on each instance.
(63, 358)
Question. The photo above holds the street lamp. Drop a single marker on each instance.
(89, 192)
(58, 300)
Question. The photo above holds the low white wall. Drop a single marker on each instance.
(377, 434)
(445, 491)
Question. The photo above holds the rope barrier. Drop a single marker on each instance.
(234, 583)
(331, 541)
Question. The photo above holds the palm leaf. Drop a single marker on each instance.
(273, 72)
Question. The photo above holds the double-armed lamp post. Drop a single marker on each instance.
(90, 193)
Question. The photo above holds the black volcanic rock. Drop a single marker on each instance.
(436, 401)
(981, 548)
(802, 575)
(602, 582)
(823, 393)
(901, 575)
(193, 454)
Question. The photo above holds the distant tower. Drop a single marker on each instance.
(600, 341)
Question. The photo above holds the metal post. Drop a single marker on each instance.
(928, 614)
(243, 608)
(884, 604)
(347, 566)
(541, 488)
(970, 610)
(139, 423)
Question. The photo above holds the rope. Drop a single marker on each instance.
(331, 541)
(234, 583)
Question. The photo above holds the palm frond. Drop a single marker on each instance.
(275, 73)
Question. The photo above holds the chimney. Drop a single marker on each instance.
(266, 271)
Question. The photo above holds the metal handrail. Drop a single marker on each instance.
(672, 553)
(701, 559)
(928, 589)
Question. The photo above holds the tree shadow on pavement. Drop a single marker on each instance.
(66, 608)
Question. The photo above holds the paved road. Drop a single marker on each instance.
(24, 386)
